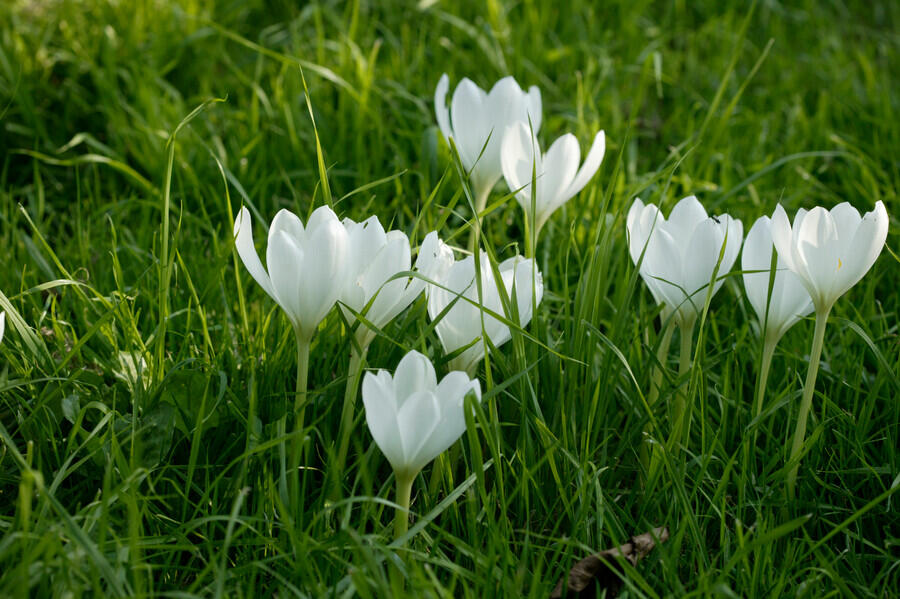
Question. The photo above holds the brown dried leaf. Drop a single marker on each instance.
(602, 571)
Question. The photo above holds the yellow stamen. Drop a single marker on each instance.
(840, 264)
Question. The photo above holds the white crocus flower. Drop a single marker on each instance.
(307, 266)
(681, 253)
(476, 118)
(414, 419)
(2, 324)
(556, 172)
(375, 258)
(307, 272)
(678, 258)
(462, 324)
(789, 301)
(830, 251)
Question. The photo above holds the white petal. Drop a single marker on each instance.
(285, 260)
(864, 248)
(414, 373)
(435, 258)
(505, 104)
(324, 273)
(381, 416)
(684, 218)
(461, 324)
(243, 242)
(323, 216)
(440, 106)
(637, 206)
(559, 165)
(522, 289)
(846, 221)
(389, 293)
(453, 388)
(734, 238)
(451, 395)
(782, 238)
(643, 221)
(534, 110)
(2, 324)
(384, 262)
(758, 256)
(470, 127)
(418, 419)
(591, 164)
(702, 257)
(364, 240)
(816, 243)
(288, 222)
(661, 269)
(790, 301)
(517, 161)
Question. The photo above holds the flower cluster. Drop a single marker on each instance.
(368, 272)
(369, 276)
(495, 134)
(788, 271)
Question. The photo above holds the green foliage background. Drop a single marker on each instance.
(139, 448)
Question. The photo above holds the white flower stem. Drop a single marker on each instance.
(357, 361)
(299, 409)
(809, 388)
(682, 421)
(481, 199)
(404, 483)
(404, 490)
(532, 232)
(765, 364)
(662, 354)
(530, 239)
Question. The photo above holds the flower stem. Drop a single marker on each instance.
(682, 421)
(809, 388)
(299, 409)
(662, 353)
(357, 360)
(763, 377)
(481, 199)
(404, 490)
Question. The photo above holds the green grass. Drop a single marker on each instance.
(140, 438)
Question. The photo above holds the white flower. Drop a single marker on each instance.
(475, 118)
(375, 257)
(462, 324)
(556, 172)
(830, 250)
(682, 253)
(413, 419)
(789, 301)
(2, 324)
(307, 266)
